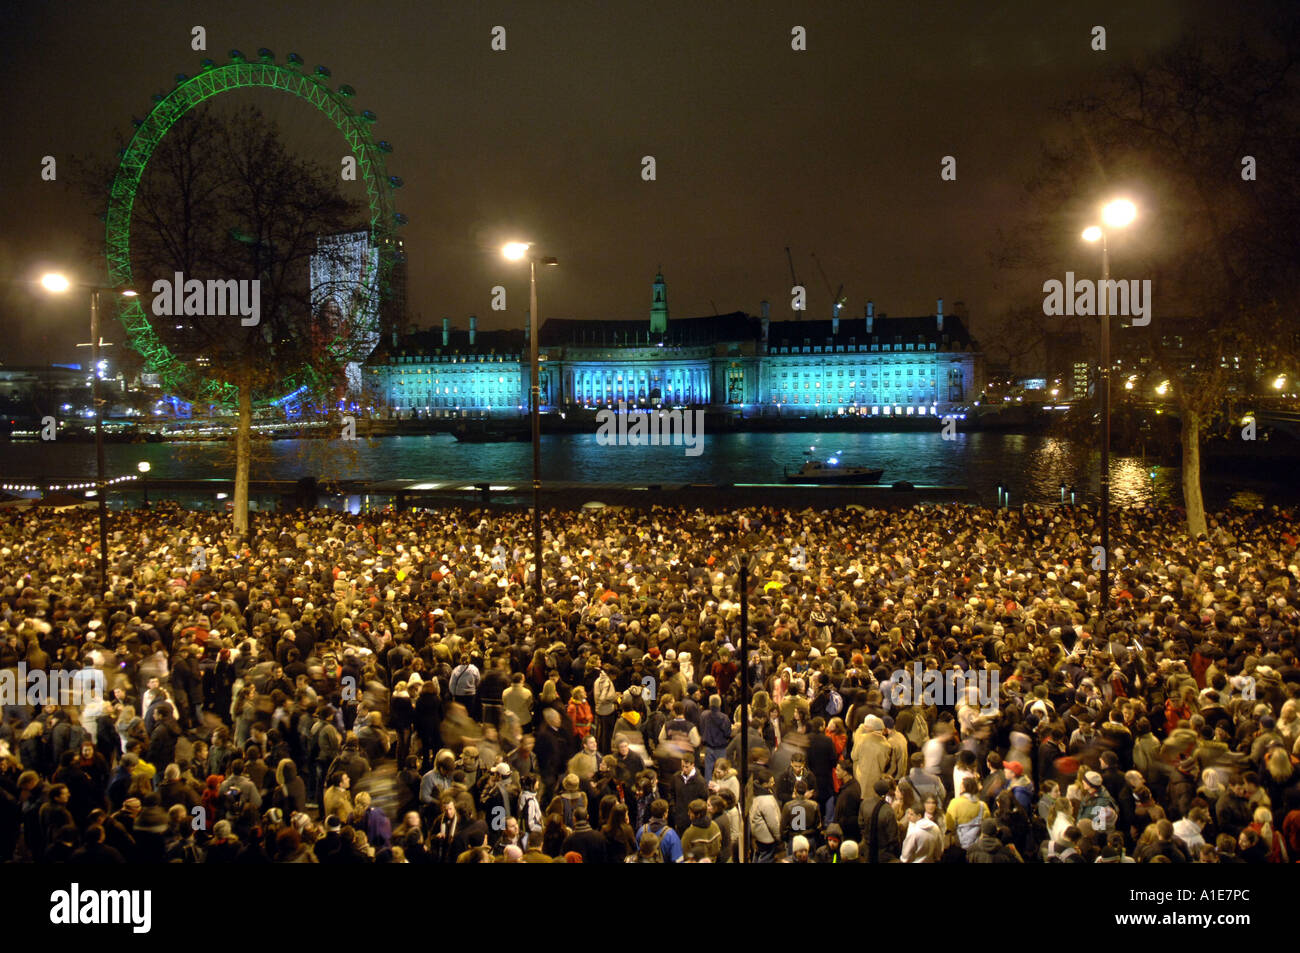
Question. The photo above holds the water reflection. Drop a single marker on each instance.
(1034, 467)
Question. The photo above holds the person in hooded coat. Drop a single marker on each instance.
(990, 849)
(290, 794)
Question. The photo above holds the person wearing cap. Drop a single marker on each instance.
(498, 794)
(1098, 807)
(829, 852)
(224, 845)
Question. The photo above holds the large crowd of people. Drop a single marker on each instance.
(936, 684)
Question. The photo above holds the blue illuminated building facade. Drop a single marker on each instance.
(874, 365)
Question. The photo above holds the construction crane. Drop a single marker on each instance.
(794, 279)
(837, 297)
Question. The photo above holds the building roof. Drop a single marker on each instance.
(737, 326)
(429, 342)
(884, 330)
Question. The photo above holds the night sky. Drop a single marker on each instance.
(834, 151)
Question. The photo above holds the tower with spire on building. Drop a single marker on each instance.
(659, 306)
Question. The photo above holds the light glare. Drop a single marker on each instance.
(1119, 213)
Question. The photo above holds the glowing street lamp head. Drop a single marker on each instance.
(1091, 234)
(1119, 213)
(515, 250)
(143, 466)
(55, 282)
(1162, 388)
(1279, 382)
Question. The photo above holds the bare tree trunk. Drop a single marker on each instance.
(1192, 472)
(243, 453)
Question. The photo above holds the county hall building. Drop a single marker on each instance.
(870, 365)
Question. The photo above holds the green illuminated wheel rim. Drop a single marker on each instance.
(174, 374)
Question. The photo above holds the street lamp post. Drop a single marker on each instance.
(515, 251)
(1116, 214)
(744, 703)
(58, 284)
(100, 495)
(742, 562)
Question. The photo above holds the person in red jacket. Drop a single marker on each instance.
(1181, 710)
(724, 670)
(580, 712)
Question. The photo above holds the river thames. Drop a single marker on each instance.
(1033, 467)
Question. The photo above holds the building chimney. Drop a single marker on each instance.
(939, 313)
(446, 332)
(765, 309)
(394, 337)
(473, 327)
(871, 315)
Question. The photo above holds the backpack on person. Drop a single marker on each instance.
(834, 704)
(232, 801)
(968, 833)
(531, 812)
